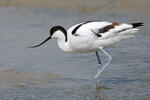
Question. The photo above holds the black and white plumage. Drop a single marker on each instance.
(92, 36)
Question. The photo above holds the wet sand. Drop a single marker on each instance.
(13, 78)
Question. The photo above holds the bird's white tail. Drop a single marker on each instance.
(129, 31)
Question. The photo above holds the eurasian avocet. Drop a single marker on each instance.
(92, 36)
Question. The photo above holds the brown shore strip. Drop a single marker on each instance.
(84, 5)
(14, 78)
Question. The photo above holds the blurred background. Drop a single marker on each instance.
(90, 5)
(47, 73)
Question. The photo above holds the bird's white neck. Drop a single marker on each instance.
(64, 46)
(61, 37)
(62, 41)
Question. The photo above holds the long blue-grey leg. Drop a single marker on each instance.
(109, 61)
(99, 60)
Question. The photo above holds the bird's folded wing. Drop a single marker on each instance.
(101, 29)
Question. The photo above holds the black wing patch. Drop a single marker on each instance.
(76, 28)
(97, 34)
(102, 30)
(107, 28)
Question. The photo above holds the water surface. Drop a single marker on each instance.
(47, 73)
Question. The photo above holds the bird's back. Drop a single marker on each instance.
(95, 34)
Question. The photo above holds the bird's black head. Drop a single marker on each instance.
(54, 35)
(58, 28)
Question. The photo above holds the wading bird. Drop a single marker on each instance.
(92, 36)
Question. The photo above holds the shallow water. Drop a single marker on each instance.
(47, 73)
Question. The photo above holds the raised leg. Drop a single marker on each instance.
(100, 70)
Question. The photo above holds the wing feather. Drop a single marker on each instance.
(99, 29)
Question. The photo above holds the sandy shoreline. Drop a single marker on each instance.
(91, 5)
